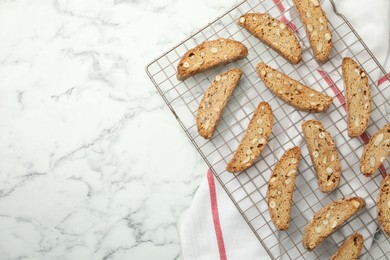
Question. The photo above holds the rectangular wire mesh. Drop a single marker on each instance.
(248, 189)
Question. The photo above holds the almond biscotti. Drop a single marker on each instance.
(281, 187)
(358, 97)
(274, 34)
(292, 91)
(350, 249)
(316, 25)
(375, 151)
(255, 139)
(214, 101)
(208, 55)
(383, 205)
(328, 219)
(323, 154)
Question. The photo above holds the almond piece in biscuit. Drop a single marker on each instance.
(281, 187)
(358, 97)
(328, 219)
(383, 205)
(274, 34)
(214, 101)
(210, 54)
(316, 25)
(255, 139)
(375, 151)
(350, 249)
(292, 91)
(323, 154)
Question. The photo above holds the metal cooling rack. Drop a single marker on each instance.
(248, 189)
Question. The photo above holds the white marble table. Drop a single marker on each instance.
(94, 166)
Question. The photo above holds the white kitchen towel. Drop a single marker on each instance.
(212, 228)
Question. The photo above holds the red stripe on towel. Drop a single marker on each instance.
(333, 86)
(383, 170)
(383, 79)
(341, 98)
(280, 6)
(215, 214)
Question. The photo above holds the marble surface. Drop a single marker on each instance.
(94, 166)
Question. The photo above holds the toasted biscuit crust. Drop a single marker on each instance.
(292, 91)
(274, 33)
(358, 97)
(328, 219)
(383, 205)
(214, 101)
(208, 55)
(316, 25)
(255, 139)
(323, 154)
(375, 151)
(281, 187)
(350, 249)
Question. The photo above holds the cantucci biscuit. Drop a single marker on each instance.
(292, 91)
(273, 33)
(281, 187)
(323, 154)
(328, 219)
(316, 25)
(208, 55)
(383, 205)
(376, 151)
(214, 101)
(255, 139)
(350, 249)
(358, 97)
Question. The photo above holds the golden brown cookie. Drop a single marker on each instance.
(375, 151)
(274, 34)
(350, 249)
(292, 91)
(210, 54)
(323, 154)
(328, 219)
(214, 101)
(281, 187)
(383, 205)
(358, 97)
(316, 25)
(255, 139)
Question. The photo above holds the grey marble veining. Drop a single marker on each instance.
(94, 166)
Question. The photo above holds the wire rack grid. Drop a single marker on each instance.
(248, 189)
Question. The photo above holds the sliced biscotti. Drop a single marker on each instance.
(214, 101)
(375, 151)
(292, 91)
(358, 97)
(255, 139)
(350, 249)
(281, 187)
(328, 219)
(316, 25)
(273, 33)
(383, 205)
(323, 154)
(208, 55)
